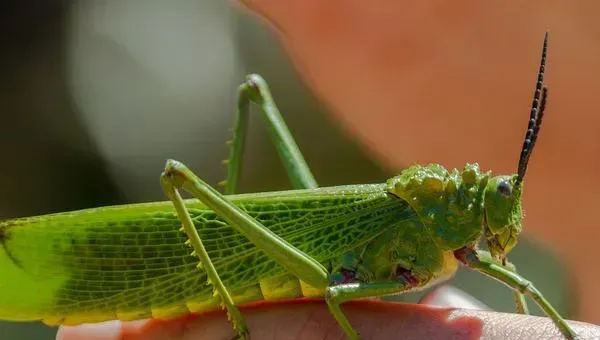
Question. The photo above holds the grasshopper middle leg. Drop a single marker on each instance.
(336, 295)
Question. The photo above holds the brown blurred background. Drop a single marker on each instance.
(96, 95)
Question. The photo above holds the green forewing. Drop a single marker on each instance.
(132, 260)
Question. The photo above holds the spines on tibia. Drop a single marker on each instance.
(450, 203)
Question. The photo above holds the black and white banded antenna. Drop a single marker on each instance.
(535, 117)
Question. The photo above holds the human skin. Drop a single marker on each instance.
(450, 83)
(310, 319)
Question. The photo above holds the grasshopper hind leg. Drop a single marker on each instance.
(175, 176)
(309, 270)
(205, 263)
(255, 90)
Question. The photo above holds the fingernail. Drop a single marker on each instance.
(109, 330)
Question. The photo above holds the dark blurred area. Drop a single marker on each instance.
(97, 95)
(51, 162)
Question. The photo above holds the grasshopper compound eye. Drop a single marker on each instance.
(504, 189)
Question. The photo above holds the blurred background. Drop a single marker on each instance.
(96, 95)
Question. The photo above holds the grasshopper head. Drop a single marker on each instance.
(503, 212)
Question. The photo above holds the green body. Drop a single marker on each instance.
(130, 262)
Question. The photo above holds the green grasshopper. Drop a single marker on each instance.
(130, 262)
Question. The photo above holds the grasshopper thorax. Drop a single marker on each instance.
(450, 204)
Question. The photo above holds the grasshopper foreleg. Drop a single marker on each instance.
(520, 302)
(482, 262)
